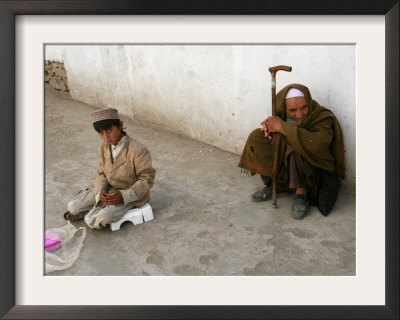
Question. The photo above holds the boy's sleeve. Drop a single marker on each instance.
(145, 172)
(128, 195)
(100, 181)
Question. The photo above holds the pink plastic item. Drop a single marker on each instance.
(51, 241)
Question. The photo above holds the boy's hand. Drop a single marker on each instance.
(114, 197)
(103, 195)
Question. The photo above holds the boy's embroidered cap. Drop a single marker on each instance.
(105, 114)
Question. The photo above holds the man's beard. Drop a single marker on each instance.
(290, 120)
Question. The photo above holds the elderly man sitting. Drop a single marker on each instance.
(309, 152)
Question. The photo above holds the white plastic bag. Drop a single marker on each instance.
(72, 242)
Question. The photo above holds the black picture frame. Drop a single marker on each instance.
(8, 11)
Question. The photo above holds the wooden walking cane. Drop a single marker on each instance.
(273, 71)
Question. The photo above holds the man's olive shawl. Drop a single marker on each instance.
(318, 138)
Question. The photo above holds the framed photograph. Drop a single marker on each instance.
(371, 26)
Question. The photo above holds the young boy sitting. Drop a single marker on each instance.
(124, 177)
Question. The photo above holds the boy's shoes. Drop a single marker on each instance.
(266, 193)
(70, 217)
(300, 207)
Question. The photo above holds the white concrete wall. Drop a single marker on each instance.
(213, 93)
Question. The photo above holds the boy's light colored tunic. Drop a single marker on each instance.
(131, 173)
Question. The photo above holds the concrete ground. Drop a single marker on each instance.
(204, 222)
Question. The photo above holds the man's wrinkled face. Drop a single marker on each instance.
(296, 109)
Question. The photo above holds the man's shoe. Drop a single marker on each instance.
(262, 195)
(300, 207)
(266, 193)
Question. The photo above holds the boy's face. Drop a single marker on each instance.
(112, 135)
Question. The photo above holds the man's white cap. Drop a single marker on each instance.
(293, 93)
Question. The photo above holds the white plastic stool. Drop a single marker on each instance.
(137, 215)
